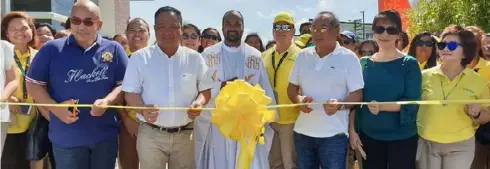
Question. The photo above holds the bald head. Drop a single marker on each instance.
(87, 5)
(233, 14)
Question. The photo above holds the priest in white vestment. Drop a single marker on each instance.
(227, 61)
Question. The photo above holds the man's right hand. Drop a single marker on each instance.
(223, 84)
(151, 113)
(305, 99)
(64, 114)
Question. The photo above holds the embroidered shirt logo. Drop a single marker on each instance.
(107, 57)
(97, 74)
(469, 90)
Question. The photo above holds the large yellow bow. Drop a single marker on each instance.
(240, 115)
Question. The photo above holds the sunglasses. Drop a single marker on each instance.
(422, 43)
(450, 45)
(207, 36)
(367, 53)
(278, 27)
(390, 30)
(78, 21)
(323, 29)
(186, 36)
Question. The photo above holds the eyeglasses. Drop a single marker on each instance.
(422, 43)
(186, 36)
(390, 30)
(367, 53)
(278, 27)
(323, 29)
(207, 36)
(77, 21)
(451, 45)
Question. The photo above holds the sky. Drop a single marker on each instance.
(258, 14)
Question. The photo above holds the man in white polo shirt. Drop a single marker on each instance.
(167, 75)
(326, 73)
(8, 85)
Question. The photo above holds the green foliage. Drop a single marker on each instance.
(435, 15)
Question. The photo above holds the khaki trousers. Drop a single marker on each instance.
(458, 155)
(157, 148)
(128, 156)
(482, 156)
(282, 154)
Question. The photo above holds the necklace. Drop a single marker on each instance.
(444, 96)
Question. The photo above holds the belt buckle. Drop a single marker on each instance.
(173, 130)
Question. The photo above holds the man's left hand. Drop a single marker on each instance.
(331, 107)
(195, 110)
(99, 107)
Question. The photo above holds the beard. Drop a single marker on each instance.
(233, 36)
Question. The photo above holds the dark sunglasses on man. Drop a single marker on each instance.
(390, 30)
(77, 21)
(422, 43)
(207, 36)
(186, 36)
(283, 27)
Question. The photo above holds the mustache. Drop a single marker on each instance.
(231, 31)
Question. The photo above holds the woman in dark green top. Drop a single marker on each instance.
(388, 133)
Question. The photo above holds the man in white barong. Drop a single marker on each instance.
(227, 61)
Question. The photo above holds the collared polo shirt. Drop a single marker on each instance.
(483, 69)
(167, 81)
(332, 77)
(287, 115)
(6, 63)
(71, 72)
(23, 121)
(449, 123)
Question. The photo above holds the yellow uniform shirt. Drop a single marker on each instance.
(22, 121)
(290, 114)
(483, 69)
(449, 123)
(422, 65)
(131, 113)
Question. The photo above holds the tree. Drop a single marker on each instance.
(435, 15)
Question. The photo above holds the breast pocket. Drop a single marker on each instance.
(189, 83)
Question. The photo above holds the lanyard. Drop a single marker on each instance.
(278, 65)
(23, 71)
(451, 91)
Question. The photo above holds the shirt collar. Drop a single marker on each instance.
(71, 40)
(287, 50)
(233, 49)
(481, 63)
(165, 55)
(337, 50)
(438, 70)
(25, 55)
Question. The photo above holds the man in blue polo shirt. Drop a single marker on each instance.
(87, 68)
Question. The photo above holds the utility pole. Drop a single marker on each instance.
(362, 25)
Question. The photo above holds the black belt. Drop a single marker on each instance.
(170, 130)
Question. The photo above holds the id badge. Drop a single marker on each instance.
(25, 110)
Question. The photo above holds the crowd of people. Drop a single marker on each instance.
(187, 67)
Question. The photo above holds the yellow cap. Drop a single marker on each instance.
(303, 40)
(285, 17)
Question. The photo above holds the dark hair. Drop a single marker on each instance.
(116, 36)
(372, 42)
(192, 26)
(258, 37)
(49, 26)
(405, 39)
(14, 15)
(479, 33)
(303, 25)
(467, 40)
(391, 16)
(67, 24)
(209, 29)
(229, 12)
(334, 21)
(169, 9)
(138, 19)
(412, 51)
(271, 42)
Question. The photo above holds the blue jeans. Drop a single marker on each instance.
(329, 153)
(101, 155)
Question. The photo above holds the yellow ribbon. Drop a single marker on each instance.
(240, 115)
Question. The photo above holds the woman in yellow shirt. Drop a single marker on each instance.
(447, 131)
(18, 28)
(423, 49)
(138, 34)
